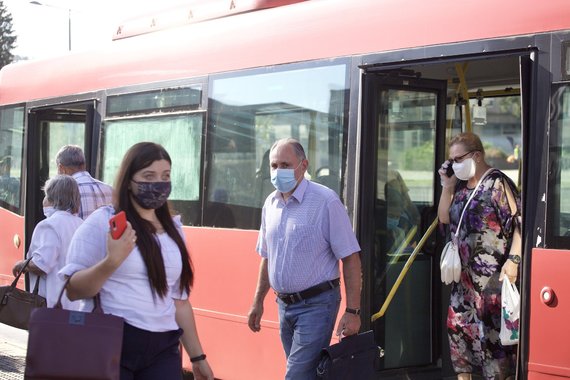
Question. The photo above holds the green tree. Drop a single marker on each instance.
(7, 37)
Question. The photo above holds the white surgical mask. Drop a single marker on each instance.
(48, 211)
(284, 179)
(464, 170)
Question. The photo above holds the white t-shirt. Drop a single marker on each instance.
(48, 247)
(127, 293)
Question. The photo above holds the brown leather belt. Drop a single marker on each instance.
(291, 298)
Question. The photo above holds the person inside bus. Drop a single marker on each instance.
(70, 160)
(51, 238)
(304, 232)
(9, 186)
(144, 276)
(489, 243)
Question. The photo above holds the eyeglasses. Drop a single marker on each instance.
(460, 158)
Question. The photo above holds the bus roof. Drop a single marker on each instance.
(307, 30)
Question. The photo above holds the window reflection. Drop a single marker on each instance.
(248, 113)
(11, 153)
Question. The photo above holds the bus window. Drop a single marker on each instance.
(249, 113)
(558, 220)
(497, 121)
(60, 134)
(11, 153)
(181, 136)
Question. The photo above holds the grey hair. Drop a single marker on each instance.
(296, 145)
(63, 193)
(70, 156)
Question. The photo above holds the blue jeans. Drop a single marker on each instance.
(306, 327)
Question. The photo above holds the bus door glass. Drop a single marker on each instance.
(50, 129)
(402, 118)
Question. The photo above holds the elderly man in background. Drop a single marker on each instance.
(70, 160)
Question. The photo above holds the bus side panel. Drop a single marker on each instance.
(11, 228)
(549, 350)
(226, 269)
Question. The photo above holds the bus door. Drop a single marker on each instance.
(402, 146)
(49, 130)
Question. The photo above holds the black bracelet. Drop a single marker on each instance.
(198, 358)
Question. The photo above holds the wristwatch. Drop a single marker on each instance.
(515, 259)
(352, 311)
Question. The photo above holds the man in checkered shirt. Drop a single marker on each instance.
(70, 160)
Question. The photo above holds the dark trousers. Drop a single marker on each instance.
(150, 355)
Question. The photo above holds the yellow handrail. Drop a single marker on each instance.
(404, 271)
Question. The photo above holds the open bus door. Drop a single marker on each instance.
(402, 145)
(50, 128)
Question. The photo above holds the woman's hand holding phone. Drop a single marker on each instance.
(447, 175)
(121, 239)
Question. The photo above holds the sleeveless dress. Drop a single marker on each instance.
(474, 314)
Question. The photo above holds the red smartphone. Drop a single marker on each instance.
(118, 223)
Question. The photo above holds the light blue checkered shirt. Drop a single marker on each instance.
(94, 193)
(304, 238)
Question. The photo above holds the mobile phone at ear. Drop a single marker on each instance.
(449, 171)
(118, 224)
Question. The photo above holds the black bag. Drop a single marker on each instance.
(16, 305)
(356, 357)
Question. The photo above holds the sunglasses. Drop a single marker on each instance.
(460, 158)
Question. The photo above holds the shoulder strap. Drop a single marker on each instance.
(469, 200)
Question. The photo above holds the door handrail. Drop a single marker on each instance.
(404, 271)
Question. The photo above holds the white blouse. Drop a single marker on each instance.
(127, 293)
(49, 244)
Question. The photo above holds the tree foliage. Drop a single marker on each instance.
(7, 37)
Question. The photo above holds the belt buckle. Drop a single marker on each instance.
(292, 299)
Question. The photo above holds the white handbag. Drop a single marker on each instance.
(450, 262)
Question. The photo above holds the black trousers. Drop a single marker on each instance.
(150, 355)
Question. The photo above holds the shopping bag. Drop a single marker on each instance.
(510, 313)
(354, 357)
(66, 344)
(450, 263)
(16, 305)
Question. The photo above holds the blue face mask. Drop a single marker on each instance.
(284, 179)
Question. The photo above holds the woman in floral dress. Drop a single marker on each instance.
(489, 245)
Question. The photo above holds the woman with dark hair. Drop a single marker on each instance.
(487, 203)
(51, 238)
(145, 275)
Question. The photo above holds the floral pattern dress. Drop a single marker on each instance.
(474, 314)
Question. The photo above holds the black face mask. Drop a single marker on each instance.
(152, 195)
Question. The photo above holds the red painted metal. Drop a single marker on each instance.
(549, 351)
(11, 225)
(304, 31)
(197, 11)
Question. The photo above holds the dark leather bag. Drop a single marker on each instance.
(65, 344)
(16, 305)
(356, 357)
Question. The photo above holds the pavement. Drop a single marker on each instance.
(13, 343)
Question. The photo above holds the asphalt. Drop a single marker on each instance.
(13, 343)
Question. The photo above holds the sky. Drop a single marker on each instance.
(42, 30)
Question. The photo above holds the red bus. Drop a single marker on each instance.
(373, 90)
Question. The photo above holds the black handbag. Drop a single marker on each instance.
(356, 357)
(16, 305)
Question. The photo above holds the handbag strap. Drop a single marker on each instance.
(15, 282)
(96, 299)
(469, 200)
